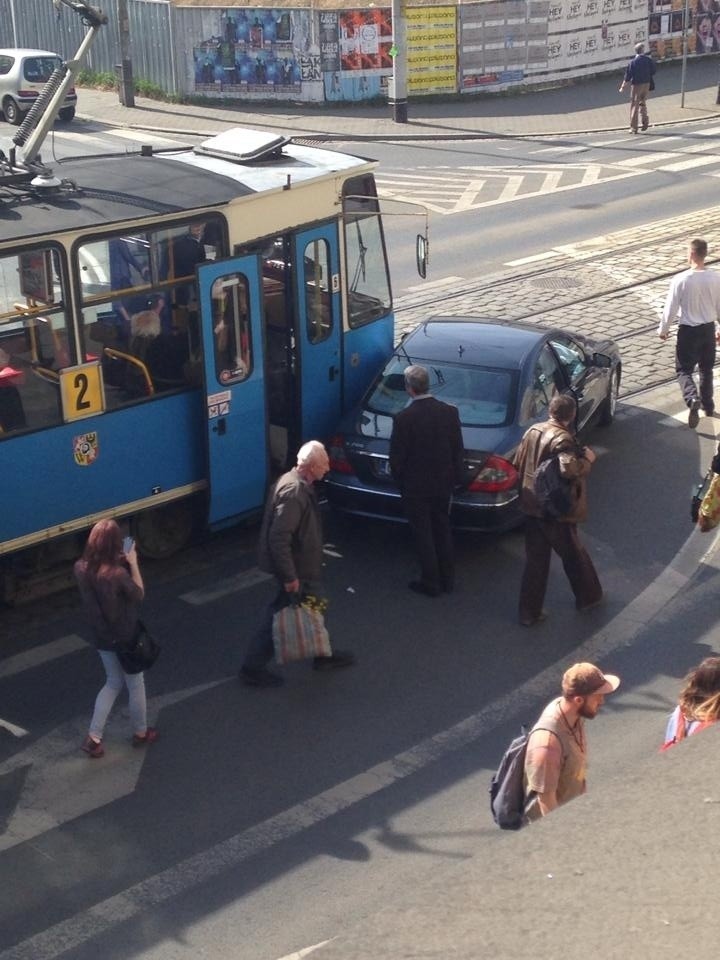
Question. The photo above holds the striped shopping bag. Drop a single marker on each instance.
(299, 632)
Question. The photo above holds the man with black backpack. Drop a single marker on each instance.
(554, 500)
(545, 768)
(556, 758)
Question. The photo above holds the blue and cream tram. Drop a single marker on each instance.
(173, 324)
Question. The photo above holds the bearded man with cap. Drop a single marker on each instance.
(556, 759)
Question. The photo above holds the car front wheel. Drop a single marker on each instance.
(607, 411)
(11, 111)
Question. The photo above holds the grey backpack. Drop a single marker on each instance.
(507, 787)
(507, 790)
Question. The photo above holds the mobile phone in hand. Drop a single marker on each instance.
(128, 544)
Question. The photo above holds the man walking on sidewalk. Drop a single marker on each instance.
(695, 294)
(639, 74)
(556, 759)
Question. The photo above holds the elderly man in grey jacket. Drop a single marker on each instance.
(290, 548)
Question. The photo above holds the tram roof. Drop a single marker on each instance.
(121, 187)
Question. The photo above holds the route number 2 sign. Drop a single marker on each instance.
(82, 391)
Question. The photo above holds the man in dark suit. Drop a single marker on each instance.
(426, 461)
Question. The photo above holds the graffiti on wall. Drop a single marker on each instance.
(256, 51)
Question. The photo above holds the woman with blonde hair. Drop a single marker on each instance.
(699, 703)
(111, 588)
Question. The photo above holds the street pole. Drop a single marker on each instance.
(397, 87)
(126, 86)
(14, 24)
(685, 50)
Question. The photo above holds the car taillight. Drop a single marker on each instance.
(27, 93)
(337, 456)
(495, 475)
(71, 91)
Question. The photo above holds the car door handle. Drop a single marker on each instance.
(332, 373)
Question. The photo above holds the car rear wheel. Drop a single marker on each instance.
(607, 411)
(11, 111)
(67, 114)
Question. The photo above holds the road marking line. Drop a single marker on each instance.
(11, 728)
(549, 254)
(429, 284)
(306, 951)
(687, 164)
(578, 148)
(142, 136)
(239, 581)
(43, 654)
(81, 928)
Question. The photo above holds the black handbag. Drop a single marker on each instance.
(699, 495)
(140, 652)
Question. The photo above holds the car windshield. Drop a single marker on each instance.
(482, 395)
(39, 69)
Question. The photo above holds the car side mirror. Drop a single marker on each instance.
(602, 360)
(421, 254)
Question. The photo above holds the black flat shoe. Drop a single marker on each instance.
(341, 658)
(259, 678)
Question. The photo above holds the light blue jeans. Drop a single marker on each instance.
(115, 676)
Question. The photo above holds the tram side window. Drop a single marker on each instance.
(34, 344)
(140, 306)
(316, 261)
(368, 281)
(231, 328)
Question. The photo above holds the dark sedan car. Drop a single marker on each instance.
(501, 377)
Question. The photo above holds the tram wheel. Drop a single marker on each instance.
(164, 531)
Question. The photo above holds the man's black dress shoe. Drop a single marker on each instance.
(341, 658)
(419, 587)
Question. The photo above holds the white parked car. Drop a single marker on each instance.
(23, 74)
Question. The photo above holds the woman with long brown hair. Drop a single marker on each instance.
(699, 703)
(111, 587)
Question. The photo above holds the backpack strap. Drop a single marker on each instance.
(553, 732)
(555, 434)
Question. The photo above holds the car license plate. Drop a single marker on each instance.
(381, 468)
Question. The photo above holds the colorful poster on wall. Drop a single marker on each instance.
(360, 67)
(365, 39)
(666, 28)
(256, 51)
(431, 49)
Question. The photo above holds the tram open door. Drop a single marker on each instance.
(271, 330)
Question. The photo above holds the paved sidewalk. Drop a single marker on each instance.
(592, 105)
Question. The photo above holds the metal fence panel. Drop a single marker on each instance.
(39, 24)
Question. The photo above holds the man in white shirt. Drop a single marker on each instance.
(695, 294)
